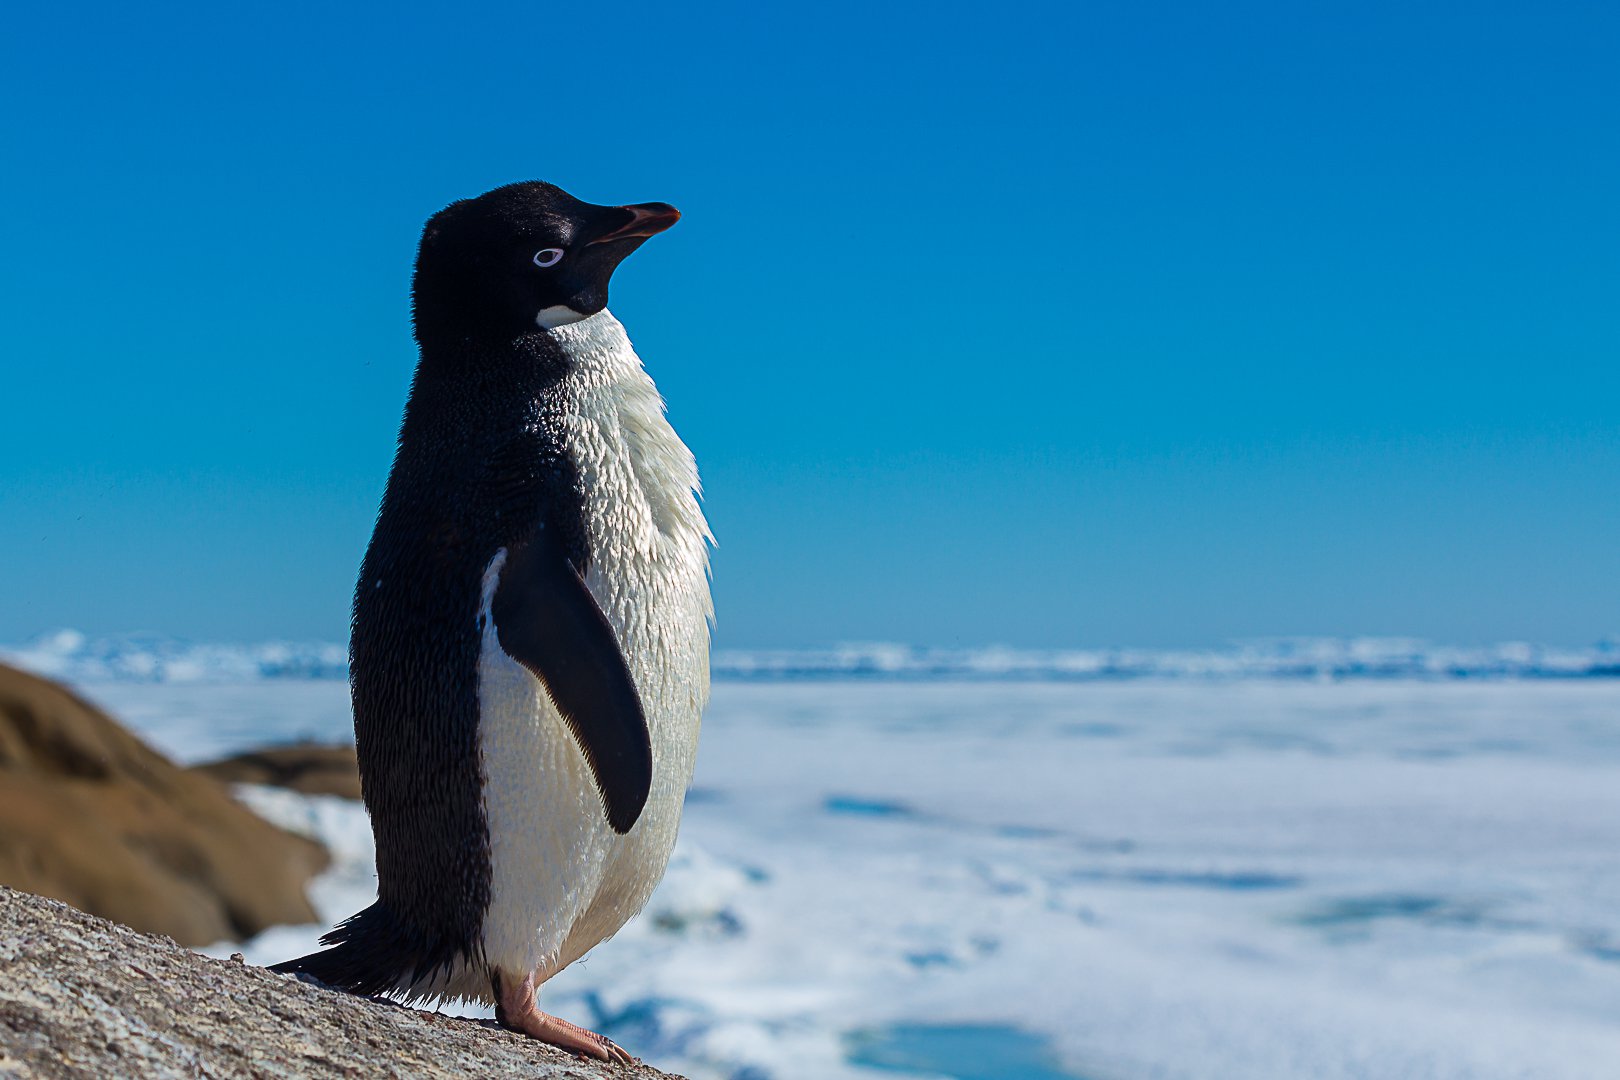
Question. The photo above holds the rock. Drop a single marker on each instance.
(91, 815)
(309, 768)
(84, 998)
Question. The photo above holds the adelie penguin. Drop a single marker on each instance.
(530, 650)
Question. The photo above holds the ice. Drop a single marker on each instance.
(1103, 878)
(77, 657)
(194, 722)
(72, 655)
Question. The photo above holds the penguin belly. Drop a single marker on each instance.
(562, 880)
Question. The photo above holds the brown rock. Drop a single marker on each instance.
(310, 768)
(91, 815)
(83, 999)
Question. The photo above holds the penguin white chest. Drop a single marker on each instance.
(561, 879)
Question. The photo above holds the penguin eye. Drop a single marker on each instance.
(548, 257)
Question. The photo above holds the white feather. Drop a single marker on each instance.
(549, 318)
(562, 880)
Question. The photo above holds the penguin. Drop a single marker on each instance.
(529, 657)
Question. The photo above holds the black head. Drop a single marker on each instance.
(523, 258)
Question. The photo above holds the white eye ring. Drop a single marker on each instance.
(548, 257)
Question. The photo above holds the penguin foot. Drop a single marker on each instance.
(516, 1009)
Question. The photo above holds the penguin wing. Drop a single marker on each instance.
(548, 621)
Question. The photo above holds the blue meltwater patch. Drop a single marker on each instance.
(959, 1051)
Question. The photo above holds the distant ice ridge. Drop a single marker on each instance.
(153, 658)
(1270, 658)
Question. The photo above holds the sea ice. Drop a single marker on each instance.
(1179, 878)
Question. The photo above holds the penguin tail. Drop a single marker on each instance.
(372, 952)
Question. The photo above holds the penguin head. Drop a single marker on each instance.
(524, 258)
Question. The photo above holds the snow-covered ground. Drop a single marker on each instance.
(1149, 878)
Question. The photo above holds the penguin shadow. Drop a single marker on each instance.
(625, 1020)
(437, 1014)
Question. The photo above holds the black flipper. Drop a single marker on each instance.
(548, 621)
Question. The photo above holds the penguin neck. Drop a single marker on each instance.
(597, 343)
(596, 346)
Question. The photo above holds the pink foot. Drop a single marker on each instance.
(516, 1009)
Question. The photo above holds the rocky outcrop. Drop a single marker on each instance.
(84, 998)
(307, 768)
(91, 815)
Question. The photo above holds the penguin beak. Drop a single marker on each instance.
(646, 219)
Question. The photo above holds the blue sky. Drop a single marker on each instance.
(1035, 324)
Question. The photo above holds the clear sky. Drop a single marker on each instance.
(1069, 324)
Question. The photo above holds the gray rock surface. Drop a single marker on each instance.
(81, 997)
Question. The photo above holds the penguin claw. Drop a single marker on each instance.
(517, 1010)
